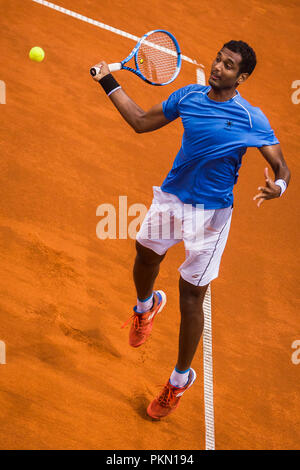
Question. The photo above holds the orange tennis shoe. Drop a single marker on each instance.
(142, 323)
(169, 398)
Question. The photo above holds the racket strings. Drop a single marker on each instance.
(157, 58)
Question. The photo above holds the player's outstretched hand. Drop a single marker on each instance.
(269, 191)
(104, 70)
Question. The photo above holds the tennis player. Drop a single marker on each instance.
(219, 125)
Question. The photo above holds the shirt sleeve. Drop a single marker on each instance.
(261, 132)
(170, 106)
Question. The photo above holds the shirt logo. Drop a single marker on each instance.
(228, 125)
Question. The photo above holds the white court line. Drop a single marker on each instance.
(101, 25)
(200, 76)
(207, 351)
(208, 374)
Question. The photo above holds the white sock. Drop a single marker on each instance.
(143, 306)
(179, 378)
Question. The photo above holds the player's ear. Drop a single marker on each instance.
(242, 78)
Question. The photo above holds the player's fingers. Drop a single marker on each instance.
(257, 196)
(261, 198)
(101, 64)
(267, 191)
(264, 191)
(266, 173)
(102, 69)
(260, 202)
(97, 68)
(262, 188)
(269, 181)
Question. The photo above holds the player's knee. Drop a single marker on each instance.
(191, 292)
(147, 256)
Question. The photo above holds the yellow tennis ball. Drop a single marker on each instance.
(141, 61)
(37, 54)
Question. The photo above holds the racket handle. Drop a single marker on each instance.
(94, 71)
(115, 67)
(112, 68)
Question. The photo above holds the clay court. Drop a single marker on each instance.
(70, 380)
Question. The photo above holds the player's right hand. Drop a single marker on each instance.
(104, 70)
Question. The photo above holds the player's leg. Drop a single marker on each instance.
(191, 328)
(152, 242)
(199, 269)
(149, 302)
(192, 322)
(145, 270)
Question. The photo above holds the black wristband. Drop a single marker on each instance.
(109, 84)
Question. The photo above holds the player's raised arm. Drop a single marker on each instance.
(273, 189)
(137, 118)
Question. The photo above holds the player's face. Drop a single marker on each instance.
(225, 69)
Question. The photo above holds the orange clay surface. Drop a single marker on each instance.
(71, 381)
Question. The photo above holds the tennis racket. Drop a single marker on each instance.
(157, 59)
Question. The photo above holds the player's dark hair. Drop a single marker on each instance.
(248, 55)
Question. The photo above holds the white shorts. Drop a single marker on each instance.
(204, 233)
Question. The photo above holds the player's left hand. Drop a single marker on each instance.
(269, 191)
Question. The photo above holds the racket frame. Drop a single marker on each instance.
(134, 54)
(121, 65)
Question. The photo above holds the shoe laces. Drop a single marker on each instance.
(167, 398)
(138, 321)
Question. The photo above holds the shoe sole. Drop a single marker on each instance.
(191, 383)
(164, 300)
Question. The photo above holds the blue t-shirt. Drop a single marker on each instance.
(216, 136)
